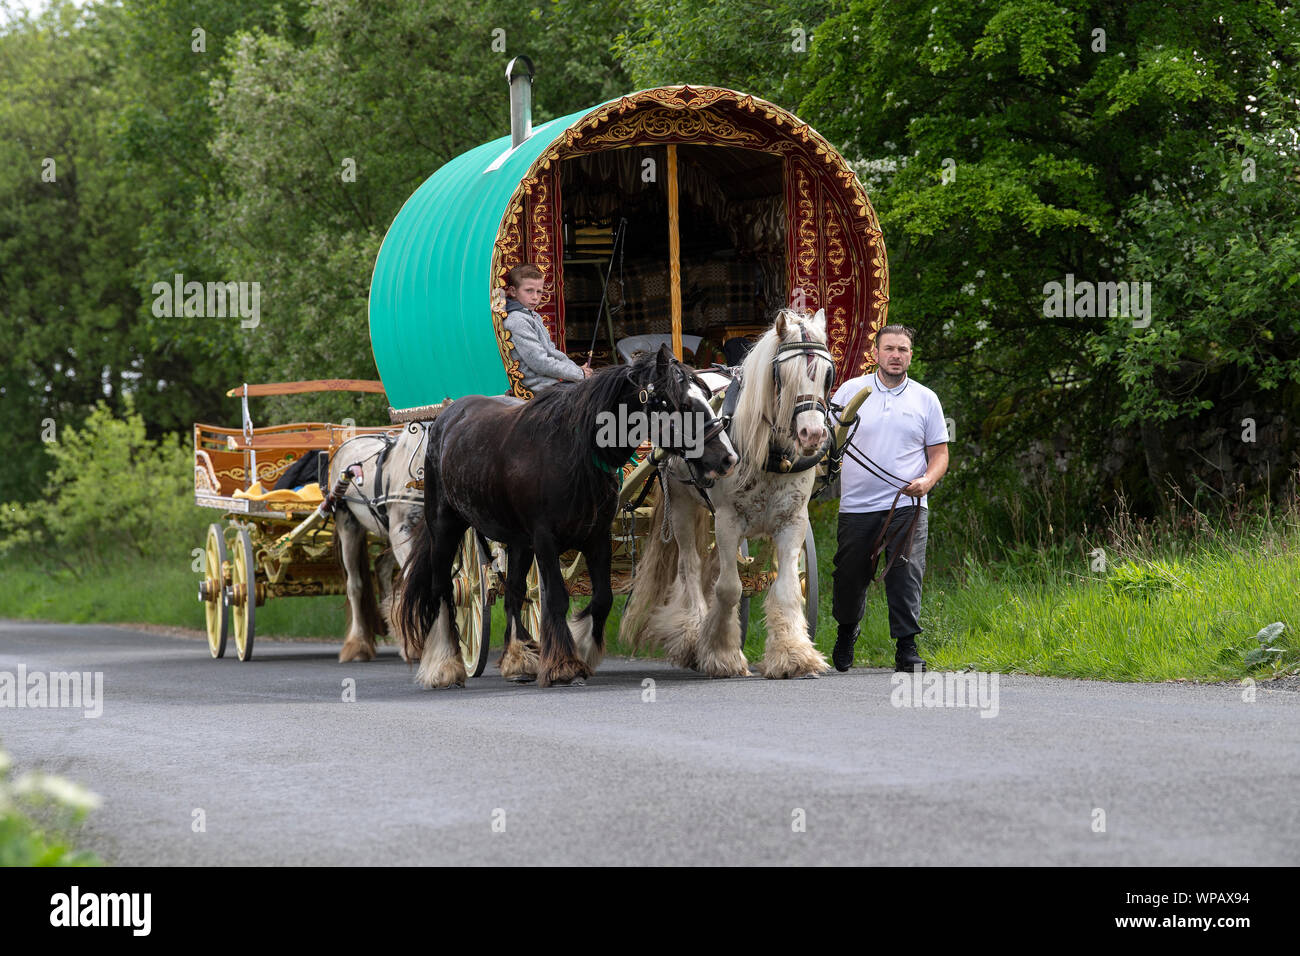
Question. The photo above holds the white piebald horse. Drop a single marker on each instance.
(382, 506)
(684, 596)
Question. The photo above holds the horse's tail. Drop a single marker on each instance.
(655, 583)
(415, 610)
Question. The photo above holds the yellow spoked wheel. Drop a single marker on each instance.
(473, 607)
(212, 590)
(807, 567)
(243, 593)
(742, 609)
(531, 612)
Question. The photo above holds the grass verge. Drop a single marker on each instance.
(1181, 610)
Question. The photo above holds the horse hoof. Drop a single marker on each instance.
(565, 673)
(569, 682)
(355, 651)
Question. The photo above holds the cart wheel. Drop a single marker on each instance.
(531, 612)
(212, 592)
(807, 567)
(473, 606)
(743, 608)
(243, 593)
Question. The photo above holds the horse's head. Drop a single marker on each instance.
(802, 367)
(788, 377)
(677, 400)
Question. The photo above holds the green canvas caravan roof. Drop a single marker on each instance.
(430, 326)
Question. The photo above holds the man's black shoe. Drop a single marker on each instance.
(842, 656)
(906, 657)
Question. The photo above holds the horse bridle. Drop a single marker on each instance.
(714, 427)
(811, 351)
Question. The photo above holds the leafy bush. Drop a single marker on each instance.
(1148, 577)
(112, 491)
(1269, 649)
(35, 809)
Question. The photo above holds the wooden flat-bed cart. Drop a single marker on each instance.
(267, 544)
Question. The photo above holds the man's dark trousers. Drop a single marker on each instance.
(855, 536)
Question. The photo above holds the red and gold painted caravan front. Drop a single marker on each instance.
(835, 251)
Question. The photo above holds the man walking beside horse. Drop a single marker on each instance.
(897, 455)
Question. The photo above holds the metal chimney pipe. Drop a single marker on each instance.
(519, 74)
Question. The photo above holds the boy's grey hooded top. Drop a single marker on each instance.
(541, 363)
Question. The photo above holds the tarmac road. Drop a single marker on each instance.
(708, 772)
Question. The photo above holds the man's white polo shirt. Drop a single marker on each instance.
(895, 426)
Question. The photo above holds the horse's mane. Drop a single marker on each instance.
(569, 409)
(759, 410)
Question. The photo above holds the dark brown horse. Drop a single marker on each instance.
(541, 477)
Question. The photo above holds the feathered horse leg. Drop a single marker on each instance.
(720, 651)
(425, 616)
(519, 652)
(676, 625)
(560, 661)
(350, 545)
(789, 652)
(656, 584)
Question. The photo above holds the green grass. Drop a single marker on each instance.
(1183, 611)
(1088, 625)
(162, 592)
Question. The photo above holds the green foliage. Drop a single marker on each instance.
(117, 99)
(66, 290)
(396, 89)
(35, 811)
(1001, 145)
(742, 45)
(1269, 650)
(1146, 578)
(110, 593)
(1160, 628)
(1055, 148)
(1223, 239)
(111, 491)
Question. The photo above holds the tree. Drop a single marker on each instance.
(67, 225)
(322, 142)
(1053, 121)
